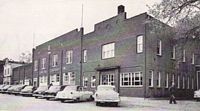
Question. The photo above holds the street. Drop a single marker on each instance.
(19, 103)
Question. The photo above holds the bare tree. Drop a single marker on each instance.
(25, 57)
(184, 15)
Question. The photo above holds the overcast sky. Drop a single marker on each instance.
(43, 20)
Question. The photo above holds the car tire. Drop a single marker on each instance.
(198, 99)
(62, 101)
(98, 103)
(115, 104)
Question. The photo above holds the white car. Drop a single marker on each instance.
(106, 94)
(197, 95)
(74, 93)
(40, 91)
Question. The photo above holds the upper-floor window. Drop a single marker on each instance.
(173, 55)
(151, 79)
(192, 58)
(84, 55)
(159, 47)
(35, 65)
(108, 51)
(69, 57)
(55, 60)
(139, 44)
(43, 63)
(183, 55)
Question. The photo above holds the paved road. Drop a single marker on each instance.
(19, 103)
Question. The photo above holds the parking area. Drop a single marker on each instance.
(19, 103)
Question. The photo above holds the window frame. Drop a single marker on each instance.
(132, 80)
(151, 78)
(111, 51)
(93, 83)
(139, 43)
(69, 56)
(159, 80)
(159, 46)
(55, 60)
(43, 63)
(85, 55)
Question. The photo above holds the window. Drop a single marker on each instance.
(84, 55)
(93, 81)
(167, 81)
(183, 82)
(69, 57)
(173, 78)
(108, 51)
(184, 55)
(139, 44)
(150, 78)
(192, 83)
(158, 80)
(69, 78)
(131, 79)
(178, 81)
(36, 65)
(43, 63)
(55, 60)
(188, 83)
(85, 81)
(159, 47)
(57, 77)
(49, 47)
(72, 78)
(192, 58)
(52, 78)
(66, 77)
(173, 52)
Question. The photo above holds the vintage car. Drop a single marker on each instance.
(197, 95)
(38, 93)
(74, 93)
(18, 89)
(10, 90)
(1, 87)
(106, 94)
(27, 91)
(52, 91)
(5, 88)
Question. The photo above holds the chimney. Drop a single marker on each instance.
(120, 9)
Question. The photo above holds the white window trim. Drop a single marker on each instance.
(108, 50)
(151, 73)
(84, 55)
(69, 57)
(193, 59)
(43, 63)
(139, 44)
(178, 81)
(167, 81)
(36, 65)
(184, 59)
(93, 81)
(159, 80)
(174, 52)
(160, 47)
(55, 59)
(183, 82)
(131, 74)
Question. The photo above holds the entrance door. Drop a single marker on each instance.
(107, 79)
(198, 80)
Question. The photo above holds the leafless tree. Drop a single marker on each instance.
(25, 57)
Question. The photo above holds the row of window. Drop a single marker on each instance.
(158, 81)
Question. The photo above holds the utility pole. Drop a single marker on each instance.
(81, 61)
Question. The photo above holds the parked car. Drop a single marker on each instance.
(18, 89)
(52, 91)
(197, 95)
(5, 88)
(10, 90)
(74, 93)
(39, 92)
(1, 87)
(27, 91)
(106, 94)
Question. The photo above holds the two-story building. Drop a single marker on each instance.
(8, 68)
(140, 56)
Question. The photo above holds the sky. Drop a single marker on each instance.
(24, 24)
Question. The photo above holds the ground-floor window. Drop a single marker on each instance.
(188, 83)
(183, 82)
(131, 79)
(69, 78)
(85, 81)
(107, 79)
(93, 81)
(150, 78)
(178, 81)
(158, 80)
(167, 80)
(192, 83)
(57, 77)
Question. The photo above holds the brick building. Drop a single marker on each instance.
(139, 55)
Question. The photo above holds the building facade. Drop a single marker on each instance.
(139, 56)
(1, 71)
(8, 70)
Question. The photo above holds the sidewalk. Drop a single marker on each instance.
(155, 104)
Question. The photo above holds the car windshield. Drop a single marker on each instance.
(105, 88)
(67, 88)
(42, 88)
(28, 87)
(54, 88)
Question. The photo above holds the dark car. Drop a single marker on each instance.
(18, 89)
(5, 88)
(27, 90)
(52, 91)
(39, 92)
